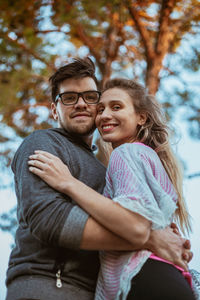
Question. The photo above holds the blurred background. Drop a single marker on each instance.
(154, 42)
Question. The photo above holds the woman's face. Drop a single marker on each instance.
(116, 118)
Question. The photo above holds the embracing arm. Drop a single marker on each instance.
(130, 226)
(163, 243)
(97, 237)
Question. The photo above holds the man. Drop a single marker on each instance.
(56, 256)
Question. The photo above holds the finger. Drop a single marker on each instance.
(45, 153)
(175, 230)
(183, 264)
(187, 244)
(39, 157)
(187, 256)
(37, 164)
(190, 256)
(36, 171)
(173, 225)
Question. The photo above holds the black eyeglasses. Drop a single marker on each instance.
(71, 98)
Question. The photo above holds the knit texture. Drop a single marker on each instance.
(137, 180)
(51, 224)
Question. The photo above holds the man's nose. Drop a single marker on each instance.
(80, 102)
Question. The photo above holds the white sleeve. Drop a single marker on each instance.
(135, 187)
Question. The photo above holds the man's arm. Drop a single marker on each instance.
(97, 237)
(112, 217)
(164, 243)
(44, 210)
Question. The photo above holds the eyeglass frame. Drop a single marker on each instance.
(79, 95)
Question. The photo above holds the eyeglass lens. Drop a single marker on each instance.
(72, 97)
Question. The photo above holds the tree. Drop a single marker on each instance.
(118, 34)
(146, 40)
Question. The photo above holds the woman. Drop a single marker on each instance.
(142, 179)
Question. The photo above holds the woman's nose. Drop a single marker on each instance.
(106, 114)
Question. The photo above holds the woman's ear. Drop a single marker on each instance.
(142, 119)
(54, 111)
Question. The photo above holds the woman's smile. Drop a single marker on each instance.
(108, 127)
(117, 120)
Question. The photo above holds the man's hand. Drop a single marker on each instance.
(170, 246)
(186, 255)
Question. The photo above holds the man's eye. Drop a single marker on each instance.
(91, 96)
(68, 97)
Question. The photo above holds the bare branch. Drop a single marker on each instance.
(49, 31)
(141, 29)
(191, 176)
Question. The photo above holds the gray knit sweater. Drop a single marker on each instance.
(50, 223)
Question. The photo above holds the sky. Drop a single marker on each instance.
(187, 148)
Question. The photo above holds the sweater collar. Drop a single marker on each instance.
(76, 139)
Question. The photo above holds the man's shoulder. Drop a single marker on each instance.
(45, 135)
(42, 139)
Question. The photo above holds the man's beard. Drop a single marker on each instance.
(77, 130)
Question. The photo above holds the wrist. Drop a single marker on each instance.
(149, 245)
(69, 186)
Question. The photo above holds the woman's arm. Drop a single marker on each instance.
(131, 226)
(128, 225)
(163, 243)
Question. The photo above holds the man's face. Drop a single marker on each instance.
(78, 118)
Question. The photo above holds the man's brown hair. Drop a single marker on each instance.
(78, 68)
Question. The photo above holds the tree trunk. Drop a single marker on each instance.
(152, 74)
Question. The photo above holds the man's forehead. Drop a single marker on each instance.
(77, 84)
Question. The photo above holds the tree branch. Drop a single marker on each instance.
(191, 176)
(176, 26)
(49, 31)
(88, 41)
(164, 32)
(29, 51)
(149, 50)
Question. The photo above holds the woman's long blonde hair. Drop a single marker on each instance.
(155, 134)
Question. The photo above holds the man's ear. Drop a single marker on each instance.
(54, 111)
(142, 119)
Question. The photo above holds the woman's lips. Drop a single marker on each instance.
(108, 127)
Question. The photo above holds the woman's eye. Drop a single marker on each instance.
(116, 107)
(100, 110)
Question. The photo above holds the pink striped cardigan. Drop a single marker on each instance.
(137, 180)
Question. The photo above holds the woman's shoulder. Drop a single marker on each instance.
(138, 154)
(135, 148)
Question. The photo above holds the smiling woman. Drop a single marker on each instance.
(117, 120)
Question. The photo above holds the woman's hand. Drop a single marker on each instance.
(51, 169)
